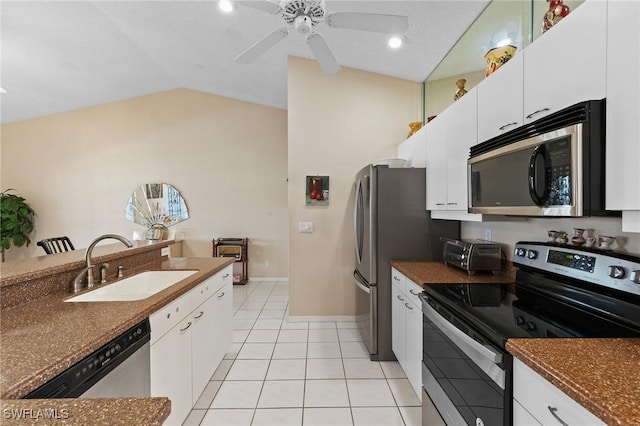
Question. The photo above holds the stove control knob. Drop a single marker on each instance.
(531, 326)
(520, 252)
(532, 254)
(616, 272)
(519, 320)
(635, 276)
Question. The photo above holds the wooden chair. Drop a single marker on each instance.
(56, 245)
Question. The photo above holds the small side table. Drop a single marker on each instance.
(234, 247)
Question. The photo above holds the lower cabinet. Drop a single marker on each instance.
(536, 398)
(184, 358)
(406, 328)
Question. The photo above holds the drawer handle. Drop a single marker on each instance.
(401, 299)
(396, 278)
(199, 316)
(413, 292)
(407, 305)
(225, 276)
(452, 204)
(185, 329)
(221, 295)
(513, 123)
(536, 112)
(439, 204)
(553, 411)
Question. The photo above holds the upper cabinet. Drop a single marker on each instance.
(500, 105)
(623, 110)
(567, 64)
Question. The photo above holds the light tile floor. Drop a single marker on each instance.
(280, 373)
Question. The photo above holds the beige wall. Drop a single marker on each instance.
(228, 158)
(337, 124)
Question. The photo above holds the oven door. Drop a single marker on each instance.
(469, 382)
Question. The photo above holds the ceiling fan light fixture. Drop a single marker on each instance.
(395, 41)
(225, 5)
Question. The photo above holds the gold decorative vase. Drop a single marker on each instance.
(415, 126)
(497, 57)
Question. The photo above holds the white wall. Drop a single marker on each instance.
(511, 232)
(337, 124)
(228, 158)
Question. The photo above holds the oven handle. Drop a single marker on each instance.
(466, 343)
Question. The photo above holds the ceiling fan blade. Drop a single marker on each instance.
(322, 53)
(388, 24)
(261, 46)
(264, 5)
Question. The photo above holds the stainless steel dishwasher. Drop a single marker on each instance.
(119, 369)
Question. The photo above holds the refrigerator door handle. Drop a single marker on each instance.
(355, 221)
(360, 282)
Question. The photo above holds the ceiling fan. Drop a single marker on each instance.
(303, 15)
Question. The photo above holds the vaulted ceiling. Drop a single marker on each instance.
(59, 56)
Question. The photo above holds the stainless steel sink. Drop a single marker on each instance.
(136, 287)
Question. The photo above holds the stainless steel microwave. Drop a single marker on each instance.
(551, 167)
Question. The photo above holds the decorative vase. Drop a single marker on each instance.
(461, 90)
(557, 11)
(414, 126)
(497, 57)
(606, 242)
(563, 238)
(578, 237)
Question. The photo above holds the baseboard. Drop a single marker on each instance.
(258, 279)
(322, 318)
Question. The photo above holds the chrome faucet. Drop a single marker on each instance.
(88, 269)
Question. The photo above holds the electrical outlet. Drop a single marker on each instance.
(487, 234)
(305, 227)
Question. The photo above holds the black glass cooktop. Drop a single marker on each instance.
(493, 313)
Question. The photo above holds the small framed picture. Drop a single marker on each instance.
(317, 191)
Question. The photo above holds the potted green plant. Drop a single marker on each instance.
(16, 218)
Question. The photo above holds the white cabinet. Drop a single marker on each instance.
(189, 338)
(500, 103)
(449, 137)
(170, 358)
(406, 327)
(567, 64)
(413, 149)
(623, 110)
(541, 400)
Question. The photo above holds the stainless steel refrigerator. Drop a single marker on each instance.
(391, 223)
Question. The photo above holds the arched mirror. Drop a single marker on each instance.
(156, 206)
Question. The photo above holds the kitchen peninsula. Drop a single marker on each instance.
(42, 335)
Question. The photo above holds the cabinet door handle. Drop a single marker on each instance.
(452, 204)
(396, 278)
(407, 305)
(413, 292)
(553, 411)
(536, 113)
(513, 123)
(439, 204)
(199, 316)
(221, 295)
(401, 299)
(185, 329)
(225, 276)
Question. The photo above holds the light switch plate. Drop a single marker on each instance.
(305, 227)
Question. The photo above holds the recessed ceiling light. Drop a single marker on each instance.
(225, 5)
(395, 41)
(2, 90)
(503, 42)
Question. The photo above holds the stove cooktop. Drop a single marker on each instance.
(560, 291)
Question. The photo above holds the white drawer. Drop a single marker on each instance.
(413, 293)
(202, 292)
(545, 402)
(226, 276)
(166, 318)
(399, 279)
